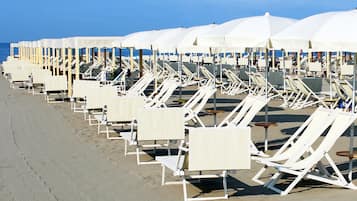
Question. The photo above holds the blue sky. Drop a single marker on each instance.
(36, 19)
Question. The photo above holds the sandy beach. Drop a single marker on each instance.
(47, 152)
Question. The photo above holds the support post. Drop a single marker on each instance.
(69, 72)
(141, 62)
(77, 63)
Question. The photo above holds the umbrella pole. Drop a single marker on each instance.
(353, 125)
(215, 93)
(284, 70)
(266, 96)
(180, 75)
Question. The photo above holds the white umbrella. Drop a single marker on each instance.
(249, 32)
(245, 32)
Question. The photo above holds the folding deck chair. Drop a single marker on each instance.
(209, 76)
(308, 163)
(305, 97)
(197, 102)
(243, 114)
(208, 150)
(159, 97)
(304, 137)
(236, 85)
(348, 90)
(261, 84)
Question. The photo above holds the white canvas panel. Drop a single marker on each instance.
(347, 69)
(161, 124)
(39, 75)
(315, 67)
(124, 108)
(56, 83)
(219, 148)
(82, 87)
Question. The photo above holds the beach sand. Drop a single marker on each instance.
(47, 152)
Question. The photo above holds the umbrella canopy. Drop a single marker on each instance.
(166, 41)
(186, 44)
(92, 42)
(247, 32)
(139, 40)
(322, 32)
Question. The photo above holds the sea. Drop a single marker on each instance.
(4, 51)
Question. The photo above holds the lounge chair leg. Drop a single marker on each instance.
(225, 184)
(184, 189)
(163, 175)
(258, 175)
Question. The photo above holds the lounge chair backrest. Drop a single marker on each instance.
(347, 69)
(139, 87)
(247, 109)
(291, 84)
(315, 67)
(170, 69)
(206, 73)
(160, 124)
(96, 98)
(336, 87)
(82, 87)
(301, 86)
(347, 88)
(197, 102)
(341, 123)
(306, 135)
(219, 149)
(123, 109)
(39, 75)
(187, 71)
(56, 83)
(166, 89)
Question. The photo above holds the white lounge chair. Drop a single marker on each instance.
(243, 114)
(55, 86)
(159, 97)
(310, 166)
(208, 149)
(81, 89)
(157, 125)
(235, 86)
(300, 141)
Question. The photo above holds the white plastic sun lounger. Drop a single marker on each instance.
(310, 166)
(209, 150)
(55, 86)
(243, 114)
